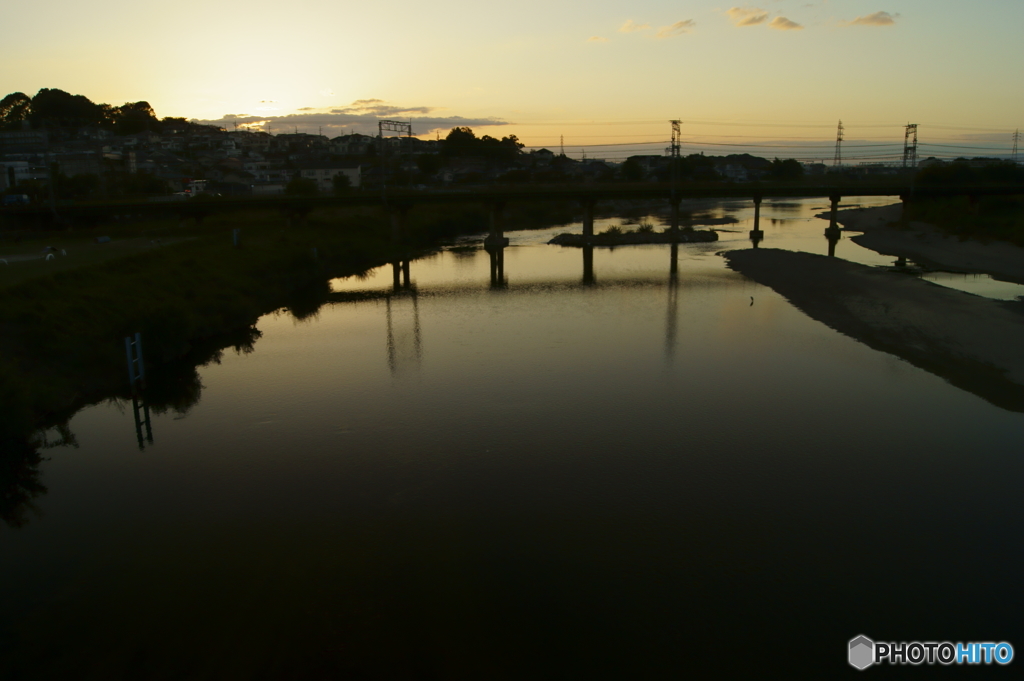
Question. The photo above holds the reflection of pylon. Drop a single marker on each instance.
(142, 420)
(839, 146)
(403, 345)
(910, 146)
(674, 152)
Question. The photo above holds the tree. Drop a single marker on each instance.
(790, 169)
(459, 142)
(14, 108)
(341, 184)
(54, 108)
(428, 164)
(301, 186)
(632, 170)
(135, 117)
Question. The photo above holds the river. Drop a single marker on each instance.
(627, 472)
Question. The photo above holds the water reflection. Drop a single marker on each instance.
(20, 482)
(497, 258)
(671, 321)
(570, 471)
(588, 266)
(140, 410)
(404, 342)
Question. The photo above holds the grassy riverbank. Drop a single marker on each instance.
(63, 320)
(993, 217)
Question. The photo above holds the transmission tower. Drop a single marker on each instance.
(673, 152)
(910, 146)
(1016, 138)
(561, 141)
(394, 126)
(389, 126)
(839, 146)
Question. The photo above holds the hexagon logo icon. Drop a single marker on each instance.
(862, 652)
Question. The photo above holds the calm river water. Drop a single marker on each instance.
(628, 476)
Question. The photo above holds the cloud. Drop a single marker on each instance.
(747, 16)
(630, 27)
(597, 39)
(876, 19)
(378, 107)
(362, 119)
(784, 24)
(675, 29)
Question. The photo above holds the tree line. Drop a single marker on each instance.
(55, 109)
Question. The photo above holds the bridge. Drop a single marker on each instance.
(398, 201)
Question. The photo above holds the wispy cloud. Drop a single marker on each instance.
(747, 16)
(631, 27)
(597, 39)
(361, 116)
(378, 107)
(675, 29)
(784, 24)
(876, 19)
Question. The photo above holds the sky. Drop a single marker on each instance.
(593, 72)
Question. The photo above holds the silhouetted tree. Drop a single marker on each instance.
(462, 142)
(301, 186)
(790, 169)
(135, 117)
(632, 170)
(54, 108)
(14, 108)
(341, 184)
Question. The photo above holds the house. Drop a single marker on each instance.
(353, 145)
(323, 172)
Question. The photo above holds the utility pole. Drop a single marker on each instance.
(1016, 138)
(673, 151)
(838, 162)
(674, 159)
(910, 146)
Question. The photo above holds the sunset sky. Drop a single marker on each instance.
(596, 72)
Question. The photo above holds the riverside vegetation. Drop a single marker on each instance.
(188, 290)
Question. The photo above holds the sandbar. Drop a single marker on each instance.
(972, 342)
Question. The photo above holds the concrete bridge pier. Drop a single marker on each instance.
(756, 235)
(833, 239)
(406, 276)
(673, 267)
(588, 219)
(833, 233)
(497, 239)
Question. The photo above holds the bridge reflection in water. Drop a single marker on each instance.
(404, 335)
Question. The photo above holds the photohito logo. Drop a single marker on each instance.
(863, 652)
